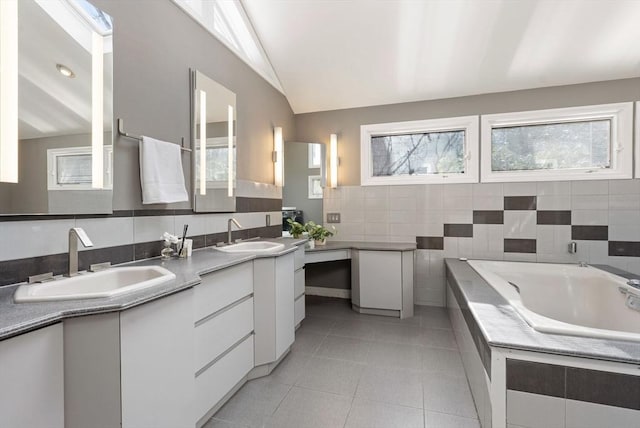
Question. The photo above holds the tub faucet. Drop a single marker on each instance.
(230, 224)
(583, 264)
(75, 234)
(635, 283)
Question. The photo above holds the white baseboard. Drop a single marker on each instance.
(340, 293)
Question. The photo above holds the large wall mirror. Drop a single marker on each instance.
(56, 84)
(304, 182)
(214, 142)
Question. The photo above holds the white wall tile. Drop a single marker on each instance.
(624, 202)
(624, 187)
(520, 257)
(429, 216)
(534, 410)
(520, 224)
(624, 217)
(409, 191)
(553, 202)
(107, 231)
(24, 239)
(520, 189)
(593, 187)
(458, 203)
(590, 202)
(457, 216)
(457, 190)
(405, 216)
(376, 192)
(624, 232)
(581, 414)
(483, 202)
(546, 188)
(431, 198)
(376, 216)
(429, 229)
(487, 189)
(450, 247)
(376, 229)
(465, 247)
(487, 240)
(402, 204)
(402, 230)
(216, 223)
(197, 224)
(590, 217)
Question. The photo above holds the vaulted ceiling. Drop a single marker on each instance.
(334, 54)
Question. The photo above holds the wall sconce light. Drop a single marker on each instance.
(97, 111)
(9, 91)
(278, 157)
(203, 142)
(230, 135)
(333, 161)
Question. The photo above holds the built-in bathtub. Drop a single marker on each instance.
(566, 299)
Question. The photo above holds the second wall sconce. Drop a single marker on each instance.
(333, 161)
(278, 157)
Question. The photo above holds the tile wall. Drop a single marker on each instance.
(501, 221)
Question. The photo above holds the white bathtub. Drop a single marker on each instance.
(565, 299)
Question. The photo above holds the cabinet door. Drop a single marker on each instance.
(285, 320)
(299, 282)
(380, 275)
(157, 351)
(32, 380)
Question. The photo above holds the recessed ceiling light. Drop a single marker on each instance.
(65, 71)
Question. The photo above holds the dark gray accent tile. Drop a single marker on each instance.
(521, 203)
(187, 211)
(251, 205)
(554, 217)
(611, 389)
(13, 271)
(458, 230)
(488, 217)
(536, 378)
(199, 241)
(32, 217)
(212, 239)
(519, 245)
(146, 250)
(114, 255)
(621, 248)
(590, 233)
(152, 212)
(430, 242)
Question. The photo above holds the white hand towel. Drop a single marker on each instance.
(161, 173)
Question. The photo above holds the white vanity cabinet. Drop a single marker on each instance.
(223, 324)
(382, 282)
(31, 375)
(299, 284)
(274, 309)
(132, 368)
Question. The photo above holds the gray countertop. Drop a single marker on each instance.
(18, 318)
(362, 245)
(502, 326)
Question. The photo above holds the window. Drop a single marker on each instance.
(424, 151)
(592, 142)
(315, 155)
(315, 187)
(69, 168)
(217, 172)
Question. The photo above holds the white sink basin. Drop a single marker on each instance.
(107, 283)
(253, 247)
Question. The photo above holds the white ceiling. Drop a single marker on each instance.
(334, 54)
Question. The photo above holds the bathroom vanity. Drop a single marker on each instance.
(166, 356)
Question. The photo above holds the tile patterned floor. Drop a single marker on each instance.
(347, 370)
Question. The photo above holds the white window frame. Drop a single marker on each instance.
(52, 168)
(313, 148)
(311, 180)
(468, 124)
(620, 114)
(637, 141)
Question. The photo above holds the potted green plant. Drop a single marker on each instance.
(318, 233)
(296, 229)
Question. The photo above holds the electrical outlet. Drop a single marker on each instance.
(333, 217)
(268, 219)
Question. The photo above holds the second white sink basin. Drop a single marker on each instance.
(107, 283)
(253, 247)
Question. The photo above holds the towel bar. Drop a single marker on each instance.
(138, 138)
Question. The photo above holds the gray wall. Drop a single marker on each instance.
(295, 192)
(155, 44)
(346, 123)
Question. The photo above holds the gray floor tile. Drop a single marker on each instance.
(441, 420)
(433, 317)
(311, 409)
(355, 328)
(316, 324)
(444, 361)
(394, 355)
(328, 308)
(330, 375)
(394, 386)
(399, 333)
(254, 403)
(449, 395)
(307, 342)
(392, 320)
(439, 338)
(290, 369)
(369, 414)
(344, 348)
(216, 423)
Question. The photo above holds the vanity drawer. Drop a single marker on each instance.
(215, 335)
(327, 256)
(215, 382)
(222, 288)
(298, 310)
(298, 283)
(298, 262)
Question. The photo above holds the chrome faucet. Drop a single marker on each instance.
(635, 283)
(75, 234)
(230, 224)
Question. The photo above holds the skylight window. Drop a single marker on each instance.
(100, 21)
(229, 23)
